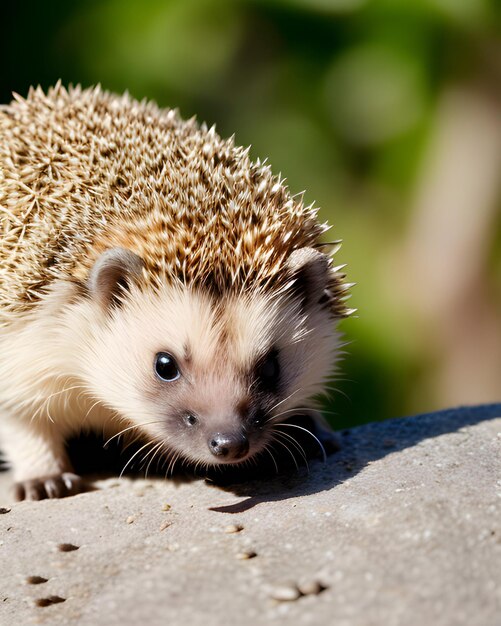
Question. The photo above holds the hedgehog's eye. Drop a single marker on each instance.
(190, 419)
(166, 367)
(269, 371)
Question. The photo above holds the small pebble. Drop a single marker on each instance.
(130, 519)
(66, 547)
(4, 509)
(311, 588)
(48, 601)
(36, 580)
(285, 593)
(165, 525)
(247, 554)
(233, 528)
(166, 507)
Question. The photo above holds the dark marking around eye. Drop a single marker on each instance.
(258, 420)
(243, 407)
(268, 372)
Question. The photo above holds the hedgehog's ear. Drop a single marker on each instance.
(309, 270)
(112, 273)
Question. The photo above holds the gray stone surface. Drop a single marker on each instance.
(401, 527)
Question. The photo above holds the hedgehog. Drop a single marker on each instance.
(156, 281)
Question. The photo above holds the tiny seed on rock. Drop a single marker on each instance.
(48, 601)
(247, 554)
(67, 547)
(285, 593)
(4, 509)
(311, 588)
(233, 528)
(36, 580)
(166, 507)
(165, 525)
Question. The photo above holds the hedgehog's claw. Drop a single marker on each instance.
(53, 486)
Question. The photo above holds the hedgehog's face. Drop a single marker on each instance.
(208, 379)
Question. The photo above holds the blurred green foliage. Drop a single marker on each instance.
(339, 94)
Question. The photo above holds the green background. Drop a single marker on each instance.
(343, 97)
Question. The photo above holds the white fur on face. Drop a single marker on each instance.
(216, 347)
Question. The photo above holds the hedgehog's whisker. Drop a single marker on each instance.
(162, 460)
(298, 410)
(332, 389)
(284, 400)
(250, 461)
(49, 398)
(149, 443)
(154, 450)
(267, 449)
(298, 447)
(159, 458)
(127, 429)
(48, 413)
(135, 438)
(172, 463)
(324, 454)
(91, 408)
(288, 450)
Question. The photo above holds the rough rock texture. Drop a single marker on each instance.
(402, 527)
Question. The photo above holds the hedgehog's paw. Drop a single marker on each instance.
(53, 486)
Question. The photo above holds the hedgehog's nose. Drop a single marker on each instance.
(230, 446)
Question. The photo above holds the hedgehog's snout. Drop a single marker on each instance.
(228, 446)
